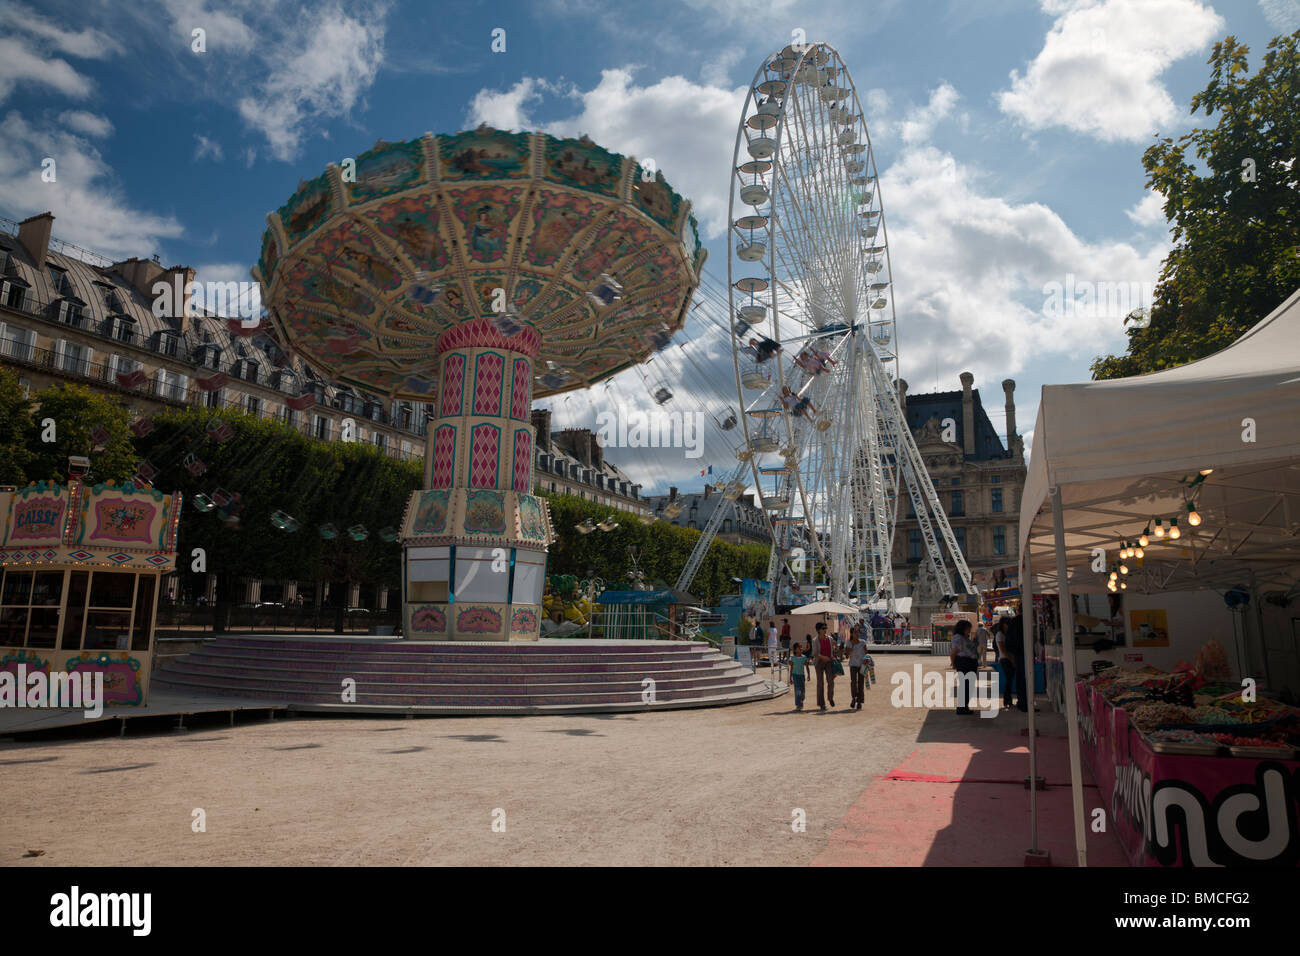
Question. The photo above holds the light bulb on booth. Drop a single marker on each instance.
(1160, 529)
(1145, 539)
(1174, 533)
(1205, 472)
(1123, 585)
(1193, 518)
(1139, 553)
(1123, 569)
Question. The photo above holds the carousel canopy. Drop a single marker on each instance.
(368, 264)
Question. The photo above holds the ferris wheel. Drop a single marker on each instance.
(814, 338)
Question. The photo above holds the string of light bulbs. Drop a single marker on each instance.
(1136, 549)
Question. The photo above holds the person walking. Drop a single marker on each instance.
(823, 654)
(964, 659)
(785, 635)
(773, 646)
(857, 669)
(798, 662)
(1015, 643)
(1006, 660)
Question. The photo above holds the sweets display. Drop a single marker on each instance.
(1200, 710)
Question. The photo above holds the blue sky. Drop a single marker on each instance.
(1037, 111)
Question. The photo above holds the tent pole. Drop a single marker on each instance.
(1068, 661)
(1027, 661)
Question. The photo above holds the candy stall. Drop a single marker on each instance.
(1193, 746)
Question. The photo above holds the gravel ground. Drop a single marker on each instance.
(692, 787)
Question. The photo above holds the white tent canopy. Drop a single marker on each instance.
(1121, 450)
(1111, 457)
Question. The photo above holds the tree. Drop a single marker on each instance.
(16, 454)
(76, 413)
(662, 550)
(1234, 211)
(273, 468)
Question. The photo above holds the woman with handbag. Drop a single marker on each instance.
(825, 662)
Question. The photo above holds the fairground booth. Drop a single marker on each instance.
(1160, 535)
(81, 568)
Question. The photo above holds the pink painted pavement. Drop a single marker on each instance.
(941, 806)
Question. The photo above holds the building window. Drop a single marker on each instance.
(322, 429)
(70, 312)
(914, 546)
(958, 504)
(997, 501)
(381, 440)
(75, 359)
(996, 479)
(168, 343)
(19, 344)
(956, 481)
(13, 295)
(213, 399)
(1000, 539)
(960, 535)
(252, 404)
(171, 385)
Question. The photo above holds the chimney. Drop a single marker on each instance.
(34, 234)
(967, 413)
(140, 273)
(672, 493)
(179, 277)
(541, 421)
(902, 394)
(1009, 392)
(594, 452)
(708, 489)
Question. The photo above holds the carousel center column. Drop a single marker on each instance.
(474, 538)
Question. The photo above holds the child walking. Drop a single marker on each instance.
(797, 663)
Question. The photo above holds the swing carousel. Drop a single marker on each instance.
(476, 272)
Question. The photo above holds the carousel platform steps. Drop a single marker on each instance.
(551, 676)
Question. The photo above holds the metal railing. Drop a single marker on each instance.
(915, 635)
(47, 360)
(196, 621)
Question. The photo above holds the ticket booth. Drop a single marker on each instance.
(82, 568)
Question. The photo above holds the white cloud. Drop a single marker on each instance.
(19, 64)
(29, 48)
(921, 121)
(207, 147)
(1098, 72)
(1149, 210)
(970, 270)
(320, 72)
(222, 30)
(1282, 15)
(508, 109)
(86, 44)
(687, 128)
(88, 203)
(87, 123)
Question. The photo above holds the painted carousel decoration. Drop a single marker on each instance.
(473, 272)
(81, 566)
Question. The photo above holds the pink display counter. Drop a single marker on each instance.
(1183, 810)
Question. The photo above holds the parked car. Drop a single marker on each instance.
(356, 610)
